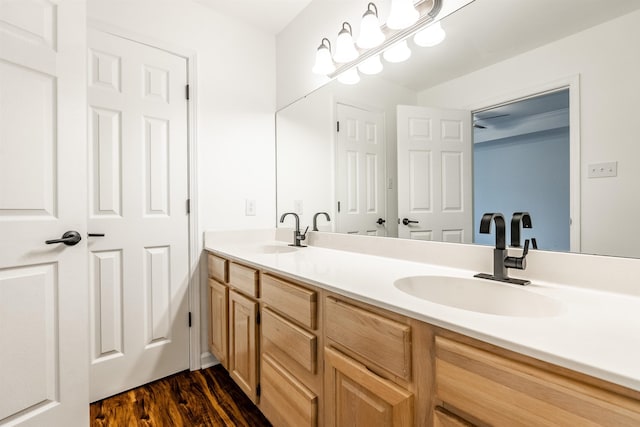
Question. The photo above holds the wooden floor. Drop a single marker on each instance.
(201, 398)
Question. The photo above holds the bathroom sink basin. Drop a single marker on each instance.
(276, 249)
(479, 295)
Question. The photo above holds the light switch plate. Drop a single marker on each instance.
(603, 170)
(250, 207)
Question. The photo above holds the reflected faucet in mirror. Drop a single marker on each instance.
(298, 237)
(315, 220)
(516, 219)
(501, 261)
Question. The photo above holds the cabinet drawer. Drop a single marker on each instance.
(245, 279)
(284, 340)
(217, 268)
(285, 401)
(443, 418)
(504, 392)
(293, 301)
(383, 341)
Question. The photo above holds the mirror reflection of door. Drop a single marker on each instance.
(521, 155)
(434, 174)
(360, 171)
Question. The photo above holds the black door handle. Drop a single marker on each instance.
(69, 238)
(407, 221)
(380, 221)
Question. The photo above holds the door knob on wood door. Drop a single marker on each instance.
(69, 238)
(380, 221)
(407, 221)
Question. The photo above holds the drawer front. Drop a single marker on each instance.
(293, 301)
(285, 401)
(217, 268)
(443, 418)
(284, 340)
(383, 341)
(244, 279)
(504, 392)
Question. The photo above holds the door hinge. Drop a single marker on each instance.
(187, 92)
(258, 317)
(337, 126)
(189, 319)
(258, 390)
(188, 206)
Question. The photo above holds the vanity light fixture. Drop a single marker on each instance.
(349, 77)
(403, 14)
(430, 36)
(397, 53)
(345, 49)
(370, 33)
(324, 63)
(371, 65)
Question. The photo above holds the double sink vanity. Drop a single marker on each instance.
(344, 333)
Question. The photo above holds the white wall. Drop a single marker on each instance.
(608, 61)
(235, 106)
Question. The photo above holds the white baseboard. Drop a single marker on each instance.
(208, 360)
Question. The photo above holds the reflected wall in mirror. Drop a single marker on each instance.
(496, 51)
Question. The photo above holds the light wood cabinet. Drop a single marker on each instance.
(243, 343)
(501, 391)
(320, 359)
(218, 321)
(355, 396)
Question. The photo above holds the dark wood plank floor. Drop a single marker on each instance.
(201, 398)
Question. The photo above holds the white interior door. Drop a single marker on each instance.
(434, 174)
(138, 178)
(360, 171)
(43, 287)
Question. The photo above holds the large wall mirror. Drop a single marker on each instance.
(527, 105)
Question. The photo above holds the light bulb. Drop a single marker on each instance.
(370, 33)
(430, 36)
(398, 52)
(371, 65)
(345, 50)
(349, 77)
(324, 64)
(403, 14)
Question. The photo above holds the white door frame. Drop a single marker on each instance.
(573, 84)
(195, 237)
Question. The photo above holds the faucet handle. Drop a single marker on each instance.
(519, 263)
(304, 235)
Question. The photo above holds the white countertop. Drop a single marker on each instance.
(597, 333)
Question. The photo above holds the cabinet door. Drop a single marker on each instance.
(218, 321)
(355, 396)
(243, 348)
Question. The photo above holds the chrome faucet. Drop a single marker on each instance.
(501, 260)
(315, 220)
(297, 236)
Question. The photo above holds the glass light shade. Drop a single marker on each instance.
(370, 32)
(371, 65)
(349, 77)
(403, 14)
(324, 64)
(345, 49)
(398, 52)
(430, 36)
